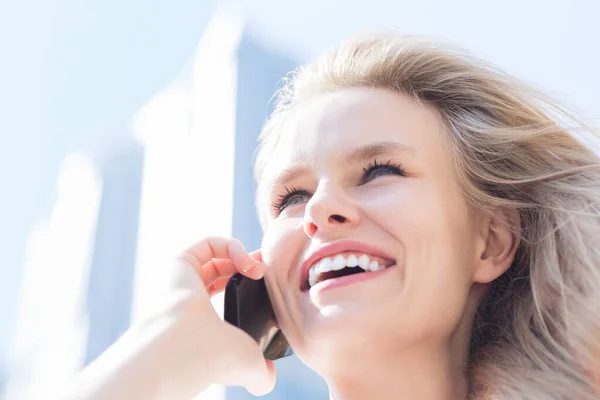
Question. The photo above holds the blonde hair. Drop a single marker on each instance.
(536, 335)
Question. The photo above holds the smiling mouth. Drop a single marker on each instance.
(344, 264)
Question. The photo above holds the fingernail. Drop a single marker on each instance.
(246, 270)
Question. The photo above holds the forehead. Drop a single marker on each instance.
(333, 124)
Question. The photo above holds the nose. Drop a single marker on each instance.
(328, 210)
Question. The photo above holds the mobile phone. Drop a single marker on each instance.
(248, 306)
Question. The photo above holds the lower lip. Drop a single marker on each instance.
(349, 279)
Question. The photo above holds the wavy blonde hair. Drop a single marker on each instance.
(536, 334)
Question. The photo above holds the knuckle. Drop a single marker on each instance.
(233, 243)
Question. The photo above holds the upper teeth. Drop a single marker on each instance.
(340, 262)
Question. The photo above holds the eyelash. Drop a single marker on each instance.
(291, 191)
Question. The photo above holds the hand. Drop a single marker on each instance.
(178, 351)
(234, 358)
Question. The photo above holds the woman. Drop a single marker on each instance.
(470, 202)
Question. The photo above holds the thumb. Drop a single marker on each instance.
(263, 382)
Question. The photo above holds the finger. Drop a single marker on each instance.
(218, 286)
(257, 255)
(217, 247)
(219, 268)
(216, 269)
(265, 381)
(205, 250)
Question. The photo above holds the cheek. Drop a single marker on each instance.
(436, 242)
(410, 211)
(282, 247)
(430, 220)
(279, 241)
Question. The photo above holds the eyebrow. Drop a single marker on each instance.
(361, 154)
(379, 149)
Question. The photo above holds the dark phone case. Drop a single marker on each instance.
(247, 306)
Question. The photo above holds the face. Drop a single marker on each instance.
(365, 173)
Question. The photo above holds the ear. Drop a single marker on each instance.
(500, 234)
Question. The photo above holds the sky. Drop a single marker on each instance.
(552, 44)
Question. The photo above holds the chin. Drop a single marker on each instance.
(344, 329)
(327, 350)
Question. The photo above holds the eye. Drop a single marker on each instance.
(292, 196)
(376, 170)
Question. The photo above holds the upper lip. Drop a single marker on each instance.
(336, 248)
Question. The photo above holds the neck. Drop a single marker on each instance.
(421, 374)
